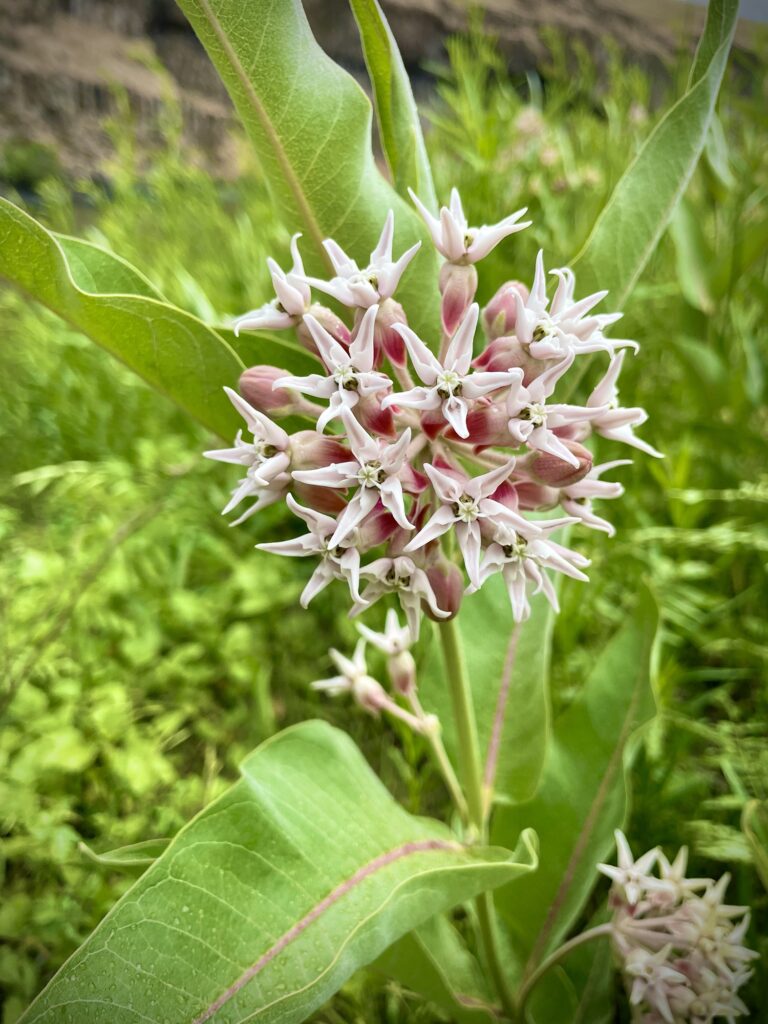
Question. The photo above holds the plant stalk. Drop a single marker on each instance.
(471, 771)
(528, 986)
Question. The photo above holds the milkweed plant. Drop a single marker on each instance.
(436, 457)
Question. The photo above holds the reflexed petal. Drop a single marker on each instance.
(361, 352)
(426, 364)
(455, 412)
(459, 354)
(435, 527)
(319, 580)
(358, 508)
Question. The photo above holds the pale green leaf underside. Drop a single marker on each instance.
(396, 112)
(310, 123)
(583, 794)
(172, 350)
(635, 217)
(272, 897)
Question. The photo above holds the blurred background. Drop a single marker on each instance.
(144, 646)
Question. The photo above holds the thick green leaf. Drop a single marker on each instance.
(433, 961)
(396, 113)
(583, 794)
(273, 896)
(171, 350)
(635, 217)
(311, 125)
(512, 706)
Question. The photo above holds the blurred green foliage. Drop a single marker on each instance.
(145, 647)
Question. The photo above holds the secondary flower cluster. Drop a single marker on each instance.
(681, 948)
(414, 461)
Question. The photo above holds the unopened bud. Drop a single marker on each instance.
(402, 672)
(386, 341)
(375, 419)
(458, 284)
(500, 315)
(507, 353)
(369, 694)
(256, 387)
(310, 450)
(327, 319)
(533, 497)
(447, 582)
(487, 424)
(551, 471)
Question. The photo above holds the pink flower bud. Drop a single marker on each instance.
(500, 314)
(401, 669)
(375, 419)
(447, 582)
(321, 499)
(378, 526)
(310, 450)
(505, 353)
(255, 386)
(369, 694)
(458, 284)
(487, 424)
(327, 319)
(386, 341)
(533, 497)
(547, 469)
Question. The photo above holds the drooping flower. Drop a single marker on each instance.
(374, 283)
(576, 499)
(373, 470)
(456, 240)
(401, 576)
(611, 421)
(449, 385)
(293, 298)
(350, 375)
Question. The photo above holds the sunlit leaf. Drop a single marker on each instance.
(273, 896)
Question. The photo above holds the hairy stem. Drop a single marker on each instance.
(471, 772)
(560, 953)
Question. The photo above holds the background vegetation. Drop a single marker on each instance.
(146, 647)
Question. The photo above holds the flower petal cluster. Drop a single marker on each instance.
(680, 947)
(416, 488)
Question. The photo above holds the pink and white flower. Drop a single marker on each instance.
(373, 470)
(576, 499)
(401, 576)
(449, 385)
(611, 421)
(291, 302)
(350, 375)
(456, 240)
(374, 283)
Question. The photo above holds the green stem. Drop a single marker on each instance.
(431, 730)
(470, 765)
(560, 953)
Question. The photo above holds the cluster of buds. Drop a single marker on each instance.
(680, 947)
(407, 483)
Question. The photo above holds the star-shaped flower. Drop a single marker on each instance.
(576, 499)
(266, 459)
(450, 384)
(395, 639)
(401, 576)
(293, 297)
(630, 876)
(374, 471)
(374, 283)
(353, 678)
(565, 327)
(350, 373)
(532, 420)
(522, 558)
(653, 979)
(458, 242)
(338, 561)
(466, 503)
(610, 420)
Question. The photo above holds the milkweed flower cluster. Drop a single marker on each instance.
(419, 467)
(680, 946)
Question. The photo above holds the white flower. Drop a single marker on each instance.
(266, 459)
(450, 383)
(395, 639)
(338, 561)
(576, 499)
(292, 300)
(653, 977)
(353, 678)
(533, 421)
(565, 327)
(373, 471)
(464, 505)
(458, 242)
(521, 558)
(350, 374)
(632, 877)
(401, 576)
(374, 283)
(610, 420)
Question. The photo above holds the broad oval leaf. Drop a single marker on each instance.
(273, 896)
(311, 125)
(173, 351)
(639, 209)
(396, 112)
(583, 793)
